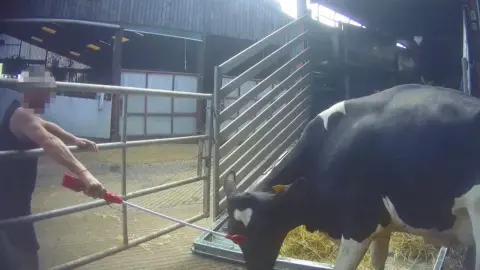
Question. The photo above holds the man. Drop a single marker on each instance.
(21, 128)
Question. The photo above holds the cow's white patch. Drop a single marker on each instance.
(350, 254)
(243, 216)
(338, 107)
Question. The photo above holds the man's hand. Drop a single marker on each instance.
(93, 187)
(86, 144)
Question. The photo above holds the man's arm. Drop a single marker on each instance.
(26, 124)
(63, 135)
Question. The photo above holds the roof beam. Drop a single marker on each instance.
(159, 31)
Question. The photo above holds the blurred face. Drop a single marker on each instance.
(37, 101)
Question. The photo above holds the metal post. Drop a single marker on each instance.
(301, 8)
(117, 49)
(206, 182)
(346, 62)
(217, 83)
(124, 168)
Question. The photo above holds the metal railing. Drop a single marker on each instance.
(250, 142)
(203, 172)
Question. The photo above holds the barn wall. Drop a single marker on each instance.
(248, 19)
(81, 117)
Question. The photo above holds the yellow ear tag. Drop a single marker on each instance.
(279, 188)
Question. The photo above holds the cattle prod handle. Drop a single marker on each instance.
(72, 182)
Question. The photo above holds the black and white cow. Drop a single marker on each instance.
(404, 159)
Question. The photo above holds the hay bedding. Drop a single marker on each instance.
(406, 251)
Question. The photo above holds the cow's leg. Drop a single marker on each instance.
(474, 211)
(379, 250)
(350, 254)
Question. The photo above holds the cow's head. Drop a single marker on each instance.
(264, 218)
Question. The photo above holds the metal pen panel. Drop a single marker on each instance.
(257, 106)
(244, 55)
(216, 140)
(265, 145)
(124, 144)
(249, 179)
(285, 114)
(262, 116)
(268, 144)
(208, 158)
(256, 90)
(262, 65)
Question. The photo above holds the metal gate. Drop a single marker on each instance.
(267, 125)
(201, 175)
(271, 116)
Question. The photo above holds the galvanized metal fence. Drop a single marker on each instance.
(203, 174)
(269, 118)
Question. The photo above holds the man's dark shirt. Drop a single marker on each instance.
(17, 175)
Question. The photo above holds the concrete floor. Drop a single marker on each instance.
(73, 236)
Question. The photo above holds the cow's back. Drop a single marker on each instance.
(417, 145)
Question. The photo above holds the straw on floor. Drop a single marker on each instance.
(408, 250)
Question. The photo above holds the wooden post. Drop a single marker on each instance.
(116, 80)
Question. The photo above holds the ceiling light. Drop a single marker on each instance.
(124, 39)
(93, 47)
(49, 30)
(37, 39)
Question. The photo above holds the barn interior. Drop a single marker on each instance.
(438, 23)
(92, 45)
